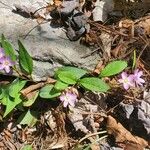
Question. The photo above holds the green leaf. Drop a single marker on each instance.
(67, 77)
(16, 86)
(3, 38)
(25, 60)
(29, 102)
(87, 148)
(5, 89)
(4, 100)
(27, 147)
(1, 93)
(94, 84)
(9, 50)
(134, 59)
(11, 104)
(60, 85)
(49, 92)
(113, 68)
(28, 118)
(77, 72)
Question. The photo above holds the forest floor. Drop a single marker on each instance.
(115, 120)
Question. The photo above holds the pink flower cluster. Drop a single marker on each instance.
(131, 80)
(5, 62)
(68, 98)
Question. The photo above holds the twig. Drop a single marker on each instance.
(107, 29)
(92, 134)
(103, 137)
(148, 73)
(89, 113)
(32, 88)
(125, 55)
(126, 96)
(33, 29)
(142, 52)
(6, 5)
(37, 86)
(21, 75)
(72, 63)
(92, 124)
(87, 98)
(38, 10)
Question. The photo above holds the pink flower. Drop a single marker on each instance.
(68, 99)
(6, 63)
(126, 80)
(137, 77)
(2, 53)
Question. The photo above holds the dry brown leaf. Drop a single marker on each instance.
(122, 135)
(132, 5)
(145, 24)
(49, 8)
(106, 39)
(50, 80)
(126, 23)
(61, 143)
(2, 145)
(7, 133)
(132, 146)
(115, 52)
(57, 3)
(31, 95)
(50, 120)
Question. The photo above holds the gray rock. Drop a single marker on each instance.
(49, 47)
(144, 115)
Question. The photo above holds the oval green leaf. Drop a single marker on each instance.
(27, 147)
(11, 104)
(113, 68)
(49, 92)
(67, 77)
(25, 60)
(1, 93)
(77, 72)
(28, 118)
(60, 85)
(94, 84)
(9, 50)
(16, 86)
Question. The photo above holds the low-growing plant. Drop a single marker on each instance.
(68, 80)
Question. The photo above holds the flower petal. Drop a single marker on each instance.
(2, 59)
(2, 54)
(65, 103)
(120, 80)
(1, 67)
(7, 69)
(126, 86)
(140, 73)
(124, 75)
(131, 80)
(62, 98)
(140, 81)
(136, 71)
